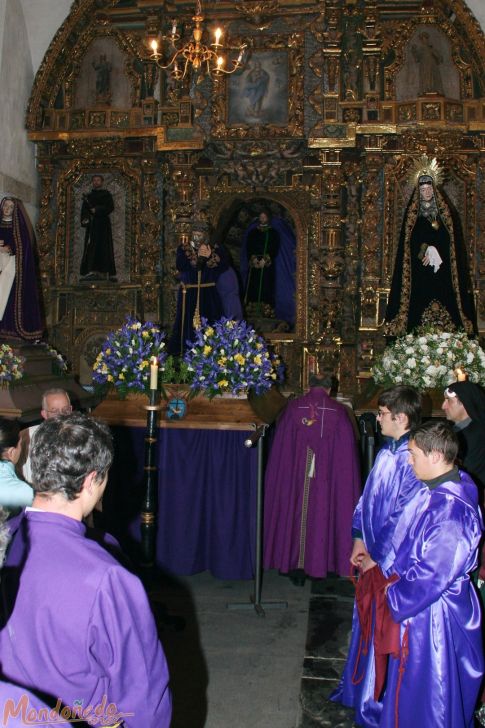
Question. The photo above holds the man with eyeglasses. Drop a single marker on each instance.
(390, 486)
(55, 402)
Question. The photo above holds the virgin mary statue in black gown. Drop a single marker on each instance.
(431, 282)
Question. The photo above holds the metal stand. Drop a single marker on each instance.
(255, 599)
(148, 526)
(367, 439)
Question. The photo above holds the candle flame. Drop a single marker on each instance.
(460, 374)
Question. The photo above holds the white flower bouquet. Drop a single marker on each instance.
(429, 358)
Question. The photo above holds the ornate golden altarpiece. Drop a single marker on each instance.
(355, 102)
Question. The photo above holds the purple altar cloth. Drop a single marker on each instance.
(206, 498)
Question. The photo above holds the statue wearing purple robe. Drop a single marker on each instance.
(390, 485)
(20, 311)
(199, 267)
(312, 484)
(435, 681)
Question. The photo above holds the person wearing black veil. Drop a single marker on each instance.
(464, 405)
(431, 282)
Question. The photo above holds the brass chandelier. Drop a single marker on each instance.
(194, 54)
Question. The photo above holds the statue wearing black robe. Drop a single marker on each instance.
(421, 295)
(98, 258)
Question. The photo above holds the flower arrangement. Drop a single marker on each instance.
(11, 365)
(230, 357)
(428, 358)
(124, 359)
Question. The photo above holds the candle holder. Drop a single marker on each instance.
(148, 517)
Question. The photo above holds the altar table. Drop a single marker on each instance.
(207, 486)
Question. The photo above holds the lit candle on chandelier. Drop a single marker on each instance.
(217, 33)
(154, 373)
(461, 375)
(174, 27)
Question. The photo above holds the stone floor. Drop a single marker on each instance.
(329, 621)
(231, 668)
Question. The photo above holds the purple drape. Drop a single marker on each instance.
(207, 497)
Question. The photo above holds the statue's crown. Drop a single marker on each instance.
(426, 167)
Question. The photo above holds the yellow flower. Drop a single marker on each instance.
(257, 360)
(239, 359)
(223, 383)
(107, 352)
(259, 345)
(222, 361)
(273, 376)
(144, 364)
(207, 349)
(110, 378)
(209, 331)
(145, 334)
(121, 375)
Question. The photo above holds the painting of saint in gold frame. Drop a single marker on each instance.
(267, 94)
(259, 94)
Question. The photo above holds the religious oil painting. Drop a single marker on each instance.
(259, 93)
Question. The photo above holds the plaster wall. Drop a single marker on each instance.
(43, 18)
(478, 9)
(17, 164)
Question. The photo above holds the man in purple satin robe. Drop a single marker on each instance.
(77, 626)
(434, 683)
(312, 484)
(390, 485)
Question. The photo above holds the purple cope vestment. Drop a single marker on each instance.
(389, 487)
(79, 626)
(312, 483)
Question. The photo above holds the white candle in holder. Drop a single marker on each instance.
(154, 373)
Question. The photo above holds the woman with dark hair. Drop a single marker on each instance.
(20, 314)
(14, 493)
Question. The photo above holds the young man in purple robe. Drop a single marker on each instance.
(312, 484)
(390, 485)
(76, 625)
(435, 679)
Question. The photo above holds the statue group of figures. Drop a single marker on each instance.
(431, 284)
(209, 287)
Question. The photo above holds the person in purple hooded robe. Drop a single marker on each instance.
(76, 625)
(312, 484)
(390, 485)
(20, 312)
(434, 680)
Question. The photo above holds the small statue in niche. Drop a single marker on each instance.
(428, 59)
(98, 262)
(103, 70)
